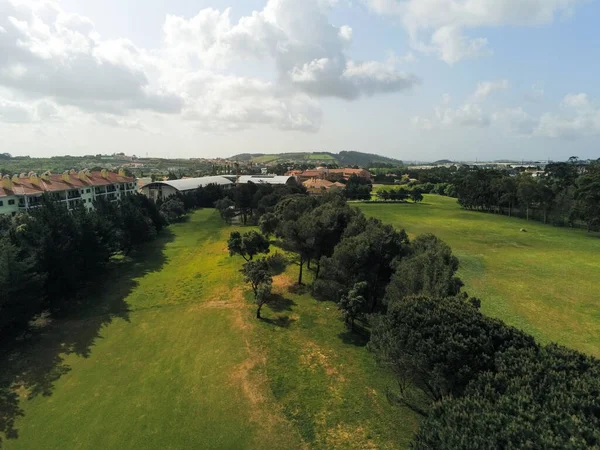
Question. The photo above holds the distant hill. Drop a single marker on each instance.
(342, 158)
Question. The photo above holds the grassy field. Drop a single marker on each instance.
(545, 280)
(171, 357)
(284, 157)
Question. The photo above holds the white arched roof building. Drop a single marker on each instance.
(164, 189)
(267, 179)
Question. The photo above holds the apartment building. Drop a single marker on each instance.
(24, 191)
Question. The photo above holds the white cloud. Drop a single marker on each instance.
(119, 122)
(577, 101)
(485, 88)
(537, 93)
(470, 114)
(50, 54)
(15, 112)
(308, 52)
(579, 117)
(518, 121)
(60, 59)
(467, 115)
(453, 46)
(440, 25)
(222, 102)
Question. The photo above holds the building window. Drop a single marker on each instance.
(11, 202)
(87, 191)
(1, 203)
(82, 191)
(89, 200)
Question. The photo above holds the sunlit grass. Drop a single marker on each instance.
(545, 280)
(184, 363)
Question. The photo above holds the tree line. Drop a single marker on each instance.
(477, 382)
(48, 252)
(564, 194)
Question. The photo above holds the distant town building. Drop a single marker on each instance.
(324, 173)
(317, 186)
(24, 191)
(165, 189)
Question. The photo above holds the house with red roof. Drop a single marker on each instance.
(24, 191)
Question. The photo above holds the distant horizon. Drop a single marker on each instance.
(405, 161)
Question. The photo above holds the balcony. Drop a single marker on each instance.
(71, 195)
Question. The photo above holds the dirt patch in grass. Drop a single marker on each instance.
(281, 283)
(250, 374)
(346, 436)
(315, 357)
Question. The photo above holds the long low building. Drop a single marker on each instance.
(165, 189)
(268, 179)
(22, 192)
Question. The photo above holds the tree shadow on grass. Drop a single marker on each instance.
(279, 321)
(358, 336)
(32, 363)
(279, 303)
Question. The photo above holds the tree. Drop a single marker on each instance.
(243, 196)
(527, 192)
(172, 210)
(353, 303)
(263, 294)
(295, 227)
(416, 195)
(515, 405)
(20, 285)
(298, 237)
(430, 270)
(258, 275)
(226, 208)
(247, 245)
(587, 197)
(439, 345)
(358, 188)
(366, 257)
(268, 224)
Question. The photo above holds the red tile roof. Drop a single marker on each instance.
(30, 185)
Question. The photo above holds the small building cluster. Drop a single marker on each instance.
(333, 175)
(317, 186)
(24, 191)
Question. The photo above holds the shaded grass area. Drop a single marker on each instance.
(545, 281)
(164, 352)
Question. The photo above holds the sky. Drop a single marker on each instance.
(417, 80)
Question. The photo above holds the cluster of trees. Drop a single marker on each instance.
(251, 201)
(353, 258)
(565, 193)
(477, 382)
(400, 194)
(562, 195)
(481, 384)
(358, 188)
(47, 253)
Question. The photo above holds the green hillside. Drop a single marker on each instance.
(345, 158)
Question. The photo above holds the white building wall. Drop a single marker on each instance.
(162, 191)
(10, 204)
(86, 195)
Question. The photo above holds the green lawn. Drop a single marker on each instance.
(545, 281)
(171, 357)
